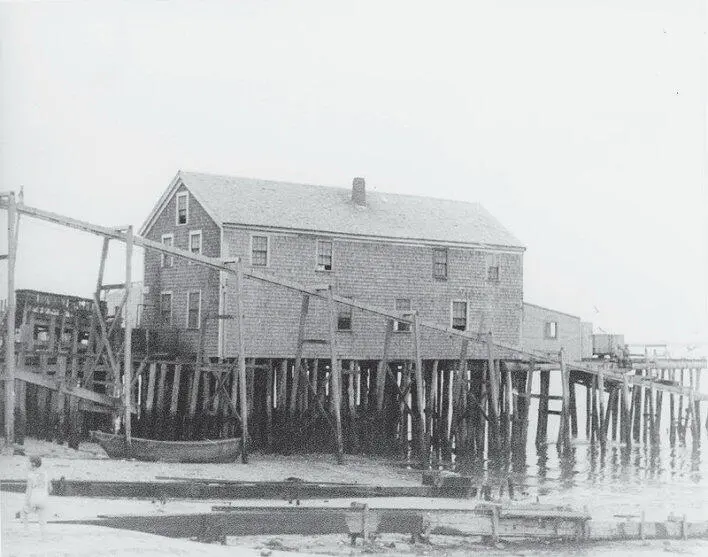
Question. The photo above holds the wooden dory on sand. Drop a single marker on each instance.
(152, 450)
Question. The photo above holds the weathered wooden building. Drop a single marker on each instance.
(546, 331)
(451, 261)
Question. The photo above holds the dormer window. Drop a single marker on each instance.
(182, 208)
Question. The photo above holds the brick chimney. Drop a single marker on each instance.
(359, 191)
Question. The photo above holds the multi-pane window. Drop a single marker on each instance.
(166, 308)
(324, 255)
(402, 304)
(551, 329)
(440, 263)
(259, 251)
(194, 305)
(493, 267)
(195, 241)
(459, 316)
(182, 208)
(344, 318)
(167, 260)
(493, 273)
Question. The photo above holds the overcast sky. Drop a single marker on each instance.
(580, 125)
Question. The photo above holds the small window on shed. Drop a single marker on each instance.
(182, 207)
(402, 304)
(259, 251)
(166, 308)
(551, 329)
(324, 255)
(440, 263)
(344, 318)
(459, 316)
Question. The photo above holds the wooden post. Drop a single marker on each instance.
(335, 376)
(697, 406)
(433, 409)
(457, 376)
(573, 408)
(269, 403)
(281, 392)
(298, 371)
(494, 449)
(150, 398)
(127, 347)
(542, 423)
(625, 425)
(160, 406)
(174, 398)
(382, 369)
(637, 409)
(241, 362)
(10, 336)
(601, 394)
(423, 441)
(564, 430)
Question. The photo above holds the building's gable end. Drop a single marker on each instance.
(177, 185)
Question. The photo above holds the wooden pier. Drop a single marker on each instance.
(75, 362)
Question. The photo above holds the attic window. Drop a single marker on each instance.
(324, 255)
(551, 329)
(493, 273)
(440, 263)
(182, 207)
(344, 319)
(259, 251)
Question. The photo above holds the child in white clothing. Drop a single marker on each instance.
(37, 494)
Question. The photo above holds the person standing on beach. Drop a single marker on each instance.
(36, 494)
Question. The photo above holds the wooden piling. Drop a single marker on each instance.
(542, 422)
(127, 344)
(572, 406)
(672, 412)
(10, 332)
(493, 399)
(602, 429)
(240, 339)
(422, 435)
(335, 377)
(564, 430)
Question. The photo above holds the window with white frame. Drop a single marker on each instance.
(440, 263)
(182, 215)
(259, 251)
(167, 260)
(324, 255)
(459, 315)
(403, 305)
(195, 241)
(166, 308)
(194, 309)
(551, 329)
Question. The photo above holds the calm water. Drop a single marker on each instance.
(658, 480)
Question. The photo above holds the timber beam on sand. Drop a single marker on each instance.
(492, 521)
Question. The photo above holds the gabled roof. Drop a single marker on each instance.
(323, 209)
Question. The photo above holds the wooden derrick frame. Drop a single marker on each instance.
(125, 235)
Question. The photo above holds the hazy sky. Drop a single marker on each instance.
(580, 125)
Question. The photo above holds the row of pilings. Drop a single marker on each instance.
(476, 419)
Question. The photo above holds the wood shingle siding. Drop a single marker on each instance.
(378, 274)
(183, 277)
